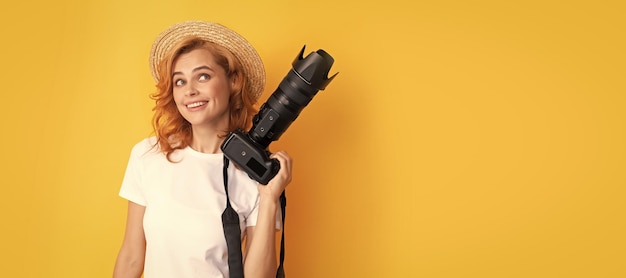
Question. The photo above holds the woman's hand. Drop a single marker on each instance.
(276, 185)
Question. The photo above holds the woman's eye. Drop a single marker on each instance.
(204, 76)
(179, 82)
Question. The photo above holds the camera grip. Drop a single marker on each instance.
(251, 158)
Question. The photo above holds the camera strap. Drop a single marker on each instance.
(232, 233)
(283, 208)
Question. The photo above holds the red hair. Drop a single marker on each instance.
(172, 131)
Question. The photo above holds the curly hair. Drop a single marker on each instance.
(174, 132)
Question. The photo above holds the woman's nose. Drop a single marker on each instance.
(192, 91)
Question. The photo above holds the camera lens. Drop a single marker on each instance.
(295, 91)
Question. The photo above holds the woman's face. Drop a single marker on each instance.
(201, 89)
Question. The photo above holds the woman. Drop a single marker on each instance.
(208, 79)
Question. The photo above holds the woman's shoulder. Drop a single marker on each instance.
(145, 146)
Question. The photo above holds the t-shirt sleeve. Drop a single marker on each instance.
(131, 185)
(254, 214)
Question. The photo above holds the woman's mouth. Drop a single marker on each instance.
(196, 104)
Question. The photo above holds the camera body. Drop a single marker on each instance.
(249, 150)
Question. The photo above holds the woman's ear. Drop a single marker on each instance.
(233, 82)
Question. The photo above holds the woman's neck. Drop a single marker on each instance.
(206, 140)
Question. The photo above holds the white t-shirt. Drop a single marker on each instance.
(184, 202)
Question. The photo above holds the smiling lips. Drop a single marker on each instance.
(196, 104)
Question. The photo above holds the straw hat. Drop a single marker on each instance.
(218, 34)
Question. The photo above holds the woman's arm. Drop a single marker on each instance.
(129, 263)
(260, 255)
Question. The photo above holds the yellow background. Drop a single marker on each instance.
(460, 138)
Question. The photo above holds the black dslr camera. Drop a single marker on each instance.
(249, 150)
